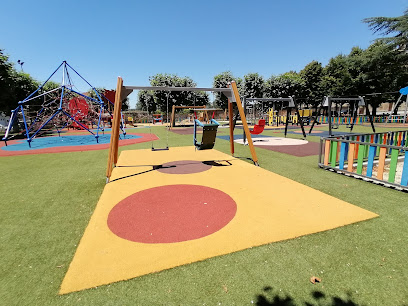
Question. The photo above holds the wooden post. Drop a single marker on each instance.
(231, 125)
(173, 116)
(244, 122)
(117, 120)
(114, 141)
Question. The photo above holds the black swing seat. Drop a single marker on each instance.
(208, 137)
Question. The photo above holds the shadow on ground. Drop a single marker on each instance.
(271, 297)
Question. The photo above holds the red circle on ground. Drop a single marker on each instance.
(184, 167)
(171, 213)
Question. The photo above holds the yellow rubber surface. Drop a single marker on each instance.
(269, 208)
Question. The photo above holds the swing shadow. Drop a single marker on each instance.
(213, 163)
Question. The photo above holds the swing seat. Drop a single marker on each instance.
(258, 128)
(208, 137)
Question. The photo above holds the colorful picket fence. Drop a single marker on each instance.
(360, 119)
(377, 157)
(396, 119)
(343, 120)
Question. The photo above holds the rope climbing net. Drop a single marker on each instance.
(62, 107)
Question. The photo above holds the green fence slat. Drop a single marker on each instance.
(333, 154)
(393, 165)
(360, 159)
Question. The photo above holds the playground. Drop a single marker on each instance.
(53, 222)
(181, 213)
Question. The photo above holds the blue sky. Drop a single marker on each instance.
(137, 39)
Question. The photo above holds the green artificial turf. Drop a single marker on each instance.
(47, 200)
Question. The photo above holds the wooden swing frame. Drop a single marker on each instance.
(123, 91)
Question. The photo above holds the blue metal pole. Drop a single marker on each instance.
(43, 94)
(25, 125)
(66, 123)
(36, 118)
(82, 95)
(108, 99)
(44, 124)
(78, 74)
(99, 121)
(72, 118)
(43, 83)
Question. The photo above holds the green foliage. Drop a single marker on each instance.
(254, 85)
(397, 26)
(50, 85)
(285, 85)
(14, 86)
(164, 100)
(312, 75)
(337, 79)
(222, 80)
(379, 68)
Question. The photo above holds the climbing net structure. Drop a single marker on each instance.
(63, 106)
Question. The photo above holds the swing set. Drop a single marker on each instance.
(173, 112)
(285, 103)
(355, 103)
(209, 130)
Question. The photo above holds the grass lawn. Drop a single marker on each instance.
(47, 200)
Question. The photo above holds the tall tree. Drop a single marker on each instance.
(285, 85)
(254, 85)
(221, 81)
(379, 68)
(312, 75)
(14, 86)
(397, 27)
(337, 79)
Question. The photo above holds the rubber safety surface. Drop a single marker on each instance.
(164, 209)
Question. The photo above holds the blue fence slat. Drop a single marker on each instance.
(404, 178)
(342, 155)
(370, 164)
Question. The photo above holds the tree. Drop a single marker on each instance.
(50, 85)
(379, 68)
(164, 100)
(6, 81)
(398, 26)
(146, 101)
(285, 85)
(254, 85)
(312, 75)
(337, 79)
(222, 80)
(14, 86)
